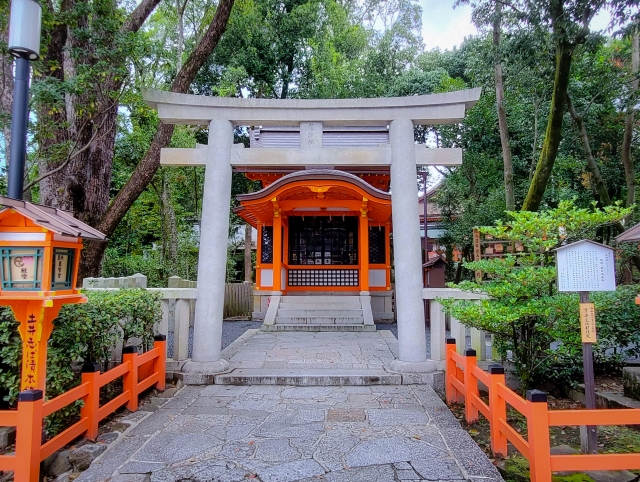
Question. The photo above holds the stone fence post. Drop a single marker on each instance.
(457, 329)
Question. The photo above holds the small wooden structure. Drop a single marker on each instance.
(433, 272)
(39, 259)
(631, 235)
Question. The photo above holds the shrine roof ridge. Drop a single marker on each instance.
(315, 175)
(53, 219)
(631, 234)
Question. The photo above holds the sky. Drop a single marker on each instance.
(446, 27)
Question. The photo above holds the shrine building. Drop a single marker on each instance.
(322, 231)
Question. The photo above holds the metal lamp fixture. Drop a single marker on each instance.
(24, 29)
(24, 44)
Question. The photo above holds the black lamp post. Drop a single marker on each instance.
(24, 45)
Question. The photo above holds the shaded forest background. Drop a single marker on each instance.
(557, 118)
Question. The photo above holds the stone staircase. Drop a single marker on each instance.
(322, 313)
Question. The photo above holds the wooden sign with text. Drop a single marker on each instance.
(588, 322)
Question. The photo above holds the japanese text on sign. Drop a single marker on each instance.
(588, 322)
(586, 267)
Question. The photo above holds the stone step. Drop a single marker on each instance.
(316, 328)
(308, 377)
(333, 305)
(308, 313)
(319, 320)
(320, 299)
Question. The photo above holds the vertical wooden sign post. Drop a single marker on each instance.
(582, 267)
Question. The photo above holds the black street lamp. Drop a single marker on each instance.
(24, 45)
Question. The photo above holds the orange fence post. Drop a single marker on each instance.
(160, 364)
(130, 379)
(29, 436)
(450, 391)
(91, 375)
(538, 431)
(470, 386)
(498, 409)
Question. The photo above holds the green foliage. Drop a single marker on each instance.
(10, 357)
(82, 333)
(523, 308)
(119, 261)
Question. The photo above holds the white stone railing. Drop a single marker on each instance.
(178, 310)
(458, 330)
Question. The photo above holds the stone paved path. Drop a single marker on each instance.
(285, 434)
(323, 350)
(275, 433)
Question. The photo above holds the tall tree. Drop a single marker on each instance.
(502, 113)
(6, 83)
(629, 123)
(149, 164)
(76, 92)
(570, 26)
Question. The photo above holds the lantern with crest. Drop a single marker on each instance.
(39, 260)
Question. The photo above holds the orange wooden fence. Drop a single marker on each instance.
(139, 373)
(462, 377)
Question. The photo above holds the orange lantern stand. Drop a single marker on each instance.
(39, 260)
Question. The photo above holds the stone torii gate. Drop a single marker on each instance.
(220, 156)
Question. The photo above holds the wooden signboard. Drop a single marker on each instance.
(477, 252)
(588, 322)
(586, 266)
(582, 267)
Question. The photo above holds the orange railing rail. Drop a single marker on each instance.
(461, 386)
(32, 410)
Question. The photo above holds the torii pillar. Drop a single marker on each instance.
(212, 261)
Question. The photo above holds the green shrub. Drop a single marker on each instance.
(524, 310)
(81, 333)
(617, 329)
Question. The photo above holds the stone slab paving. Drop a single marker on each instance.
(257, 349)
(226, 433)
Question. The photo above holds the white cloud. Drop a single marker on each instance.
(446, 27)
(443, 26)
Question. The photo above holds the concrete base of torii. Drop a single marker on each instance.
(203, 373)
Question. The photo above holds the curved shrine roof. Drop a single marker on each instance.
(315, 192)
(314, 175)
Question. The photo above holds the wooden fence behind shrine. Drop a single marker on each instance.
(237, 296)
(237, 299)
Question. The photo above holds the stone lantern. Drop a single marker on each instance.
(39, 259)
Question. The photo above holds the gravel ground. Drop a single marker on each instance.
(233, 329)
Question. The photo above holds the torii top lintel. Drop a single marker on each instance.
(445, 108)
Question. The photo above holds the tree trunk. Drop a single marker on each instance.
(170, 224)
(601, 188)
(82, 184)
(534, 144)
(145, 170)
(553, 134)
(502, 115)
(180, 6)
(627, 160)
